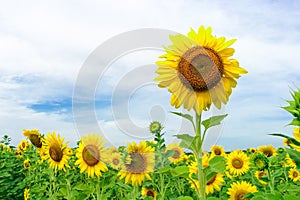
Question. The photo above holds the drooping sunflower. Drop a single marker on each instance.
(239, 189)
(56, 151)
(149, 192)
(259, 175)
(140, 164)
(26, 194)
(115, 160)
(91, 155)
(34, 136)
(178, 153)
(26, 163)
(217, 150)
(294, 174)
(268, 150)
(198, 70)
(237, 162)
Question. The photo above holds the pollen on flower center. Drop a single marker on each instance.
(200, 68)
(90, 155)
(237, 163)
(137, 164)
(55, 153)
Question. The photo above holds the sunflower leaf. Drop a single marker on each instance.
(186, 140)
(294, 141)
(180, 171)
(217, 164)
(213, 121)
(186, 116)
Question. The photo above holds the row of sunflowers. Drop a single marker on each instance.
(45, 167)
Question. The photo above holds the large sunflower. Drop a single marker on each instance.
(239, 189)
(237, 162)
(56, 151)
(268, 150)
(91, 155)
(139, 165)
(198, 70)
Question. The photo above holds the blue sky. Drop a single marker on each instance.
(45, 44)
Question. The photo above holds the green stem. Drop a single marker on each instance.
(135, 192)
(198, 153)
(162, 185)
(98, 193)
(271, 183)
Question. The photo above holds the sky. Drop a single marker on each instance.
(46, 45)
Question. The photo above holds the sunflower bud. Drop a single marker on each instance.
(260, 161)
(155, 127)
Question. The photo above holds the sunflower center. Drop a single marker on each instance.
(268, 152)
(55, 153)
(237, 163)
(295, 174)
(150, 193)
(212, 180)
(240, 195)
(115, 161)
(90, 155)
(35, 140)
(217, 152)
(137, 164)
(200, 68)
(176, 154)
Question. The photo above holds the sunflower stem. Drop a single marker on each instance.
(135, 190)
(271, 183)
(198, 153)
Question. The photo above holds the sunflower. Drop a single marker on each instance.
(237, 162)
(294, 174)
(26, 194)
(259, 175)
(26, 163)
(34, 136)
(217, 150)
(91, 155)
(289, 162)
(18, 153)
(23, 145)
(178, 154)
(149, 193)
(55, 151)
(268, 150)
(115, 160)
(296, 133)
(239, 189)
(260, 161)
(140, 164)
(198, 70)
(252, 150)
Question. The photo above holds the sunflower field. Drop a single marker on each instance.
(199, 71)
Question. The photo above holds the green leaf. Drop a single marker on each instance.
(185, 198)
(213, 121)
(186, 140)
(293, 140)
(165, 169)
(217, 164)
(295, 122)
(295, 155)
(290, 197)
(186, 116)
(180, 171)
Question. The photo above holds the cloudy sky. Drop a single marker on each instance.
(45, 45)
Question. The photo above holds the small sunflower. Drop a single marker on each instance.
(56, 151)
(26, 194)
(178, 154)
(239, 189)
(140, 164)
(289, 162)
(252, 150)
(26, 163)
(268, 150)
(34, 136)
(198, 70)
(237, 162)
(294, 174)
(217, 150)
(18, 153)
(91, 155)
(296, 133)
(214, 183)
(259, 175)
(155, 127)
(115, 160)
(260, 161)
(23, 145)
(149, 192)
